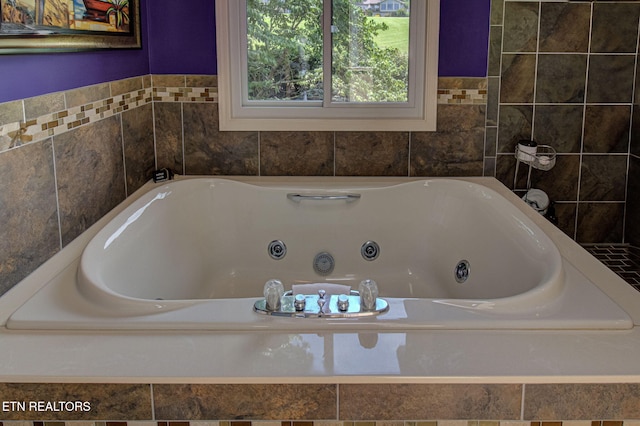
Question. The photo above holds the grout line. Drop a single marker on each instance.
(337, 401)
(498, 98)
(124, 156)
(55, 184)
(259, 153)
(153, 407)
(335, 154)
(584, 117)
(184, 157)
(524, 386)
(409, 154)
(153, 129)
(535, 76)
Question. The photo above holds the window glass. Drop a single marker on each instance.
(370, 53)
(284, 50)
(327, 64)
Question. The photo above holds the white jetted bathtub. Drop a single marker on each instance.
(195, 253)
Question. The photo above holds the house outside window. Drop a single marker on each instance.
(327, 64)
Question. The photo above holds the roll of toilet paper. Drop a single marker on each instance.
(537, 199)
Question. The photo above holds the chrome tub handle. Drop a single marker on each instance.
(349, 198)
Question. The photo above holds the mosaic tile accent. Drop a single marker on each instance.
(462, 96)
(185, 94)
(88, 110)
(59, 122)
(462, 91)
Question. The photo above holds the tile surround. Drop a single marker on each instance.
(96, 148)
(372, 404)
(632, 228)
(46, 116)
(242, 402)
(562, 74)
(328, 423)
(28, 211)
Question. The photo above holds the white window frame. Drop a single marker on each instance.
(237, 114)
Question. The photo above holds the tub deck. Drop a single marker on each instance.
(152, 269)
(325, 356)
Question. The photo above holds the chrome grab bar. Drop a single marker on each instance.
(349, 198)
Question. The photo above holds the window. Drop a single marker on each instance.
(327, 64)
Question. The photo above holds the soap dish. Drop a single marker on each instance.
(543, 159)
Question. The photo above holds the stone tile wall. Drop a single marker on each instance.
(328, 423)
(632, 214)
(79, 154)
(322, 404)
(189, 142)
(632, 234)
(563, 74)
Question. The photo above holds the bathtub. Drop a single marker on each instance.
(195, 253)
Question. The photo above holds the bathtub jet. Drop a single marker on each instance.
(195, 253)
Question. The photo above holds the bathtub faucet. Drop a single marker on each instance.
(362, 303)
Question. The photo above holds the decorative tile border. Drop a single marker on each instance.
(462, 96)
(63, 121)
(17, 133)
(185, 94)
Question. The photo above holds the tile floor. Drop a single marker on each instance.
(622, 259)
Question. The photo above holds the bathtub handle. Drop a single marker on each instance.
(349, 198)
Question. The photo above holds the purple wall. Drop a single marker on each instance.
(23, 76)
(464, 38)
(181, 40)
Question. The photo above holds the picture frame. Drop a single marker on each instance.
(47, 26)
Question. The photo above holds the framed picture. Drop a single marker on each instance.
(40, 26)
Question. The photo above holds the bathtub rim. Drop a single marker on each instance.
(564, 244)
